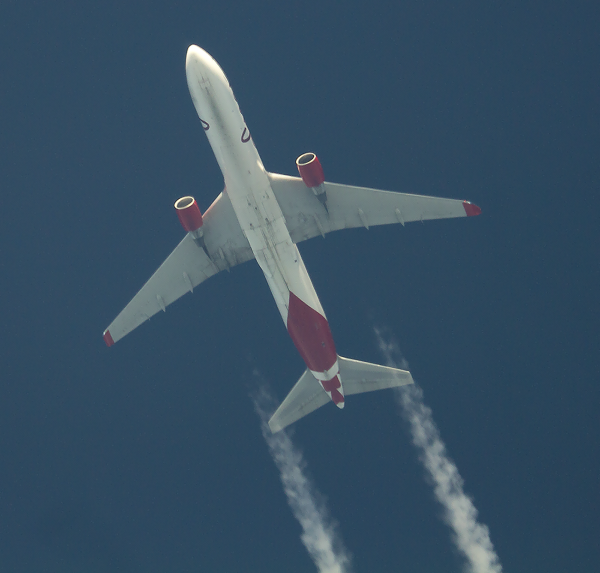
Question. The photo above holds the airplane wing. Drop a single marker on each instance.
(186, 267)
(351, 206)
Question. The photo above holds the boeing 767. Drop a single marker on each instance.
(262, 216)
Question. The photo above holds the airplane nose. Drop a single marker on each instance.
(199, 63)
(193, 53)
(195, 57)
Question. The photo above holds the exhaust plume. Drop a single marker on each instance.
(319, 531)
(471, 537)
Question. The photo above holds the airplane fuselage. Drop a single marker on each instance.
(248, 187)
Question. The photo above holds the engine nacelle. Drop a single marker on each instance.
(310, 170)
(312, 174)
(189, 215)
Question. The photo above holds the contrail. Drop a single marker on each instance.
(471, 538)
(319, 531)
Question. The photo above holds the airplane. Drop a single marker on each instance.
(263, 216)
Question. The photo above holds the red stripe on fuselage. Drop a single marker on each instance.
(333, 386)
(337, 397)
(311, 335)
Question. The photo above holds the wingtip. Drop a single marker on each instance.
(471, 209)
(274, 426)
(108, 339)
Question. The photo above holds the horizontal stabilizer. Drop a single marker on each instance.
(358, 377)
(307, 395)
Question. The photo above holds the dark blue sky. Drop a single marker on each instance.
(148, 456)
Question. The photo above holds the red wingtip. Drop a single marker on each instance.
(470, 209)
(108, 338)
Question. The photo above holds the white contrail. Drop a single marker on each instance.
(471, 538)
(319, 531)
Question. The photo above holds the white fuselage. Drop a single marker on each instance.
(248, 186)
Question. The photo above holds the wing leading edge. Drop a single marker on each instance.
(186, 267)
(349, 207)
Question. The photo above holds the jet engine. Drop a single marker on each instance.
(310, 170)
(190, 216)
(312, 174)
(191, 220)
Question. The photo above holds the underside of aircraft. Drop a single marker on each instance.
(263, 216)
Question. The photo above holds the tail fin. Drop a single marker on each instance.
(307, 394)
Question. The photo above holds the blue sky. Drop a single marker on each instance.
(149, 456)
